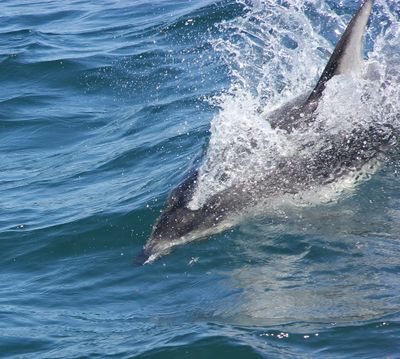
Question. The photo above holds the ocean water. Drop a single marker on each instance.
(105, 105)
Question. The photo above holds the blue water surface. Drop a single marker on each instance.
(104, 106)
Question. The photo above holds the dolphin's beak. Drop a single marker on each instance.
(141, 259)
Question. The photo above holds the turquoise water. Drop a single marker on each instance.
(104, 106)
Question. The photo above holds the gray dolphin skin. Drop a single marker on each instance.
(339, 157)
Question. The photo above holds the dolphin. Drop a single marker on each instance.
(361, 152)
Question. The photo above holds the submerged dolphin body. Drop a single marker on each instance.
(339, 157)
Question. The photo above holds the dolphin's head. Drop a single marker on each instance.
(178, 223)
(174, 223)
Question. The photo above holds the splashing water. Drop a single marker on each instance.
(275, 53)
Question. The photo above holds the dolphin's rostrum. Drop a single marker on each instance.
(339, 157)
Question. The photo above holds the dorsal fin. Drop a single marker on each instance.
(348, 54)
